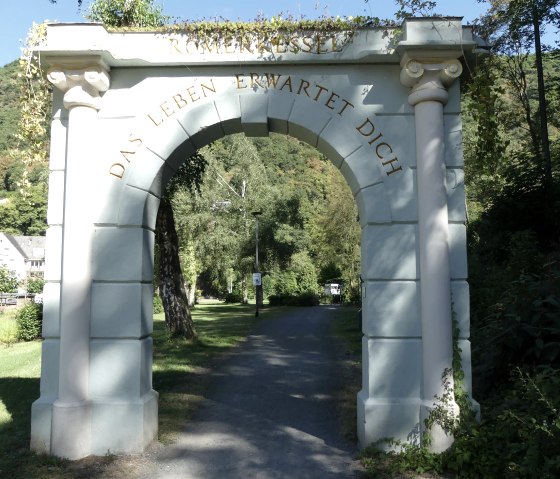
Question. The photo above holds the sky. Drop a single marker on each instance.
(18, 15)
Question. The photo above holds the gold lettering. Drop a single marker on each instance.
(157, 123)
(125, 154)
(330, 101)
(179, 100)
(245, 43)
(239, 78)
(304, 88)
(320, 41)
(289, 83)
(346, 103)
(212, 89)
(308, 42)
(321, 90)
(209, 46)
(272, 79)
(174, 45)
(295, 45)
(276, 43)
(166, 109)
(386, 145)
(366, 123)
(261, 47)
(194, 96)
(393, 169)
(371, 142)
(135, 140)
(255, 80)
(117, 170)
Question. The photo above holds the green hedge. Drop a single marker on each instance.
(29, 321)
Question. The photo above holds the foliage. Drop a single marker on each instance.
(35, 285)
(29, 321)
(158, 304)
(127, 13)
(8, 281)
(302, 299)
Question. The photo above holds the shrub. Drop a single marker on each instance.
(158, 304)
(35, 285)
(29, 321)
(234, 297)
(303, 299)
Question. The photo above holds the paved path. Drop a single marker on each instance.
(271, 411)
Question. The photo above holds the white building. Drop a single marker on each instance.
(24, 255)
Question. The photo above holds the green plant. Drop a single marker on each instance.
(29, 322)
(35, 285)
(8, 281)
(158, 304)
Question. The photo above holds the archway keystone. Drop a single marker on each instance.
(385, 112)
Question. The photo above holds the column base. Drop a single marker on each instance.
(77, 430)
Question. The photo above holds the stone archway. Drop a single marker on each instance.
(129, 108)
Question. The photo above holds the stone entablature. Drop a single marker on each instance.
(129, 108)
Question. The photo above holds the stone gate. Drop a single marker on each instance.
(129, 108)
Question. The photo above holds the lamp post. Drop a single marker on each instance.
(257, 275)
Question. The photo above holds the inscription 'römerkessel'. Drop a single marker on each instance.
(331, 100)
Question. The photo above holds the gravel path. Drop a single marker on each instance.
(271, 411)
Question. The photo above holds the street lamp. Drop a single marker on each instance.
(257, 279)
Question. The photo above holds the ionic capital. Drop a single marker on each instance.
(81, 86)
(429, 79)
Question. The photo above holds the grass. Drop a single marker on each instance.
(180, 374)
(8, 326)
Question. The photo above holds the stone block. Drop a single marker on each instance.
(121, 310)
(50, 364)
(389, 252)
(167, 137)
(337, 141)
(137, 208)
(124, 427)
(254, 115)
(116, 368)
(41, 421)
(279, 109)
(361, 170)
(144, 170)
(123, 254)
(373, 205)
(465, 347)
(57, 152)
(456, 206)
(399, 131)
(458, 251)
(229, 111)
(461, 306)
(307, 121)
(202, 124)
(391, 309)
(454, 103)
(453, 137)
(180, 154)
(402, 192)
(53, 253)
(381, 418)
(51, 310)
(392, 368)
(55, 210)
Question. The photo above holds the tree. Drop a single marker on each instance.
(8, 280)
(127, 13)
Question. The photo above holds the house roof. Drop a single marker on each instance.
(30, 247)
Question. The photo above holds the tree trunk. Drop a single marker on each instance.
(178, 317)
(545, 143)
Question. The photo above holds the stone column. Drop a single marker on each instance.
(429, 79)
(71, 413)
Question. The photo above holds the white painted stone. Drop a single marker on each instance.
(337, 141)
(124, 427)
(453, 106)
(399, 132)
(307, 121)
(453, 141)
(123, 254)
(57, 152)
(254, 109)
(50, 362)
(402, 192)
(361, 170)
(373, 205)
(465, 347)
(41, 420)
(458, 251)
(147, 166)
(55, 209)
(165, 139)
(389, 252)
(202, 124)
(279, 108)
(229, 111)
(394, 367)
(461, 306)
(390, 309)
(137, 208)
(180, 154)
(51, 310)
(121, 310)
(115, 373)
(384, 418)
(456, 206)
(53, 253)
